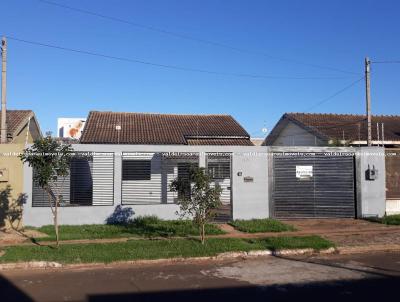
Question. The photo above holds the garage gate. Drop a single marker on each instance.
(313, 186)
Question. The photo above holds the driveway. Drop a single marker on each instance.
(350, 232)
(369, 277)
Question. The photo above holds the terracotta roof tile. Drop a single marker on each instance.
(221, 142)
(158, 129)
(15, 118)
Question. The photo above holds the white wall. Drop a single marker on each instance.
(371, 193)
(293, 135)
(250, 198)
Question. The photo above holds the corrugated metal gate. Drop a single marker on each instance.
(219, 167)
(313, 185)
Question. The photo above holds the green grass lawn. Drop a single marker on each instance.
(389, 220)
(261, 226)
(155, 249)
(147, 226)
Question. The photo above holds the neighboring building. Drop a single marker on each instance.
(22, 129)
(257, 141)
(322, 129)
(22, 126)
(70, 127)
(312, 129)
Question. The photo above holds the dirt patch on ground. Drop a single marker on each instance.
(9, 237)
(229, 229)
(337, 225)
(368, 239)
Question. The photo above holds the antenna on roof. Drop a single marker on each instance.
(118, 129)
(377, 132)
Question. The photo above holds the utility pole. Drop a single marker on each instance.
(3, 130)
(368, 99)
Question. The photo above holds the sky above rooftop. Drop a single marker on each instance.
(254, 76)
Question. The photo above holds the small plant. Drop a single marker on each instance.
(387, 219)
(261, 225)
(120, 216)
(50, 161)
(197, 199)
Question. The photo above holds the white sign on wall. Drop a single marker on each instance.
(70, 127)
(304, 172)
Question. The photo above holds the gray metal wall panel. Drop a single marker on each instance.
(94, 183)
(103, 179)
(156, 189)
(41, 199)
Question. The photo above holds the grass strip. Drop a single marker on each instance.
(155, 249)
(261, 226)
(140, 227)
(389, 220)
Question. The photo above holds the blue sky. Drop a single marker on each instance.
(338, 34)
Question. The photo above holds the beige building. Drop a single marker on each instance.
(22, 129)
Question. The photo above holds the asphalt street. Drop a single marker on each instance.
(364, 277)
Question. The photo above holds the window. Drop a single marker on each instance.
(219, 170)
(81, 181)
(184, 171)
(76, 189)
(136, 169)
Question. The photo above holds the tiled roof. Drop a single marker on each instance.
(160, 129)
(15, 119)
(341, 126)
(221, 142)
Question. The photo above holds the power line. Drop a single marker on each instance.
(324, 101)
(386, 62)
(335, 94)
(187, 37)
(168, 66)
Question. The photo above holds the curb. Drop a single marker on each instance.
(346, 250)
(222, 256)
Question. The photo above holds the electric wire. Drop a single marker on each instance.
(168, 66)
(187, 37)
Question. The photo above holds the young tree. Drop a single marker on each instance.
(50, 162)
(197, 199)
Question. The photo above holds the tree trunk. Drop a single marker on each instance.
(56, 221)
(203, 233)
